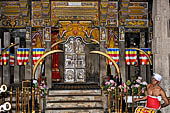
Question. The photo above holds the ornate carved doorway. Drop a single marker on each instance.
(74, 66)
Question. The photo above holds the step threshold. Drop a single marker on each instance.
(75, 108)
(69, 101)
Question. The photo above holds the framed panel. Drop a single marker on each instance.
(28, 33)
(80, 75)
(121, 34)
(47, 34)
(70, 60)
(80, 63)
(69, 46)
(103, 34)
(69, 75)
(79, 46)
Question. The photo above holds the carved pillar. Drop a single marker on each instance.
(102, 62)
(142, 45)
(161, 46)
(122, 52)
(6, 70)
(48, 72)
(28, 67)
(16, 67)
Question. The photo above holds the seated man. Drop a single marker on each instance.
(154, 94)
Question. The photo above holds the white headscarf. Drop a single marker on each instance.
(157, 76)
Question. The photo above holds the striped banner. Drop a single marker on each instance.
(11, 59)
(142, 57)
(131, 56)
(5, 57)
(37, 53)
(114, 53)
(22, 56)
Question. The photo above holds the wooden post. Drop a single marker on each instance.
(118, 99)
(126, 100)
(24, 100)
(18, 100)
(139, 90)
(121, 100)
(109, 100)
(115, 100)
(39, 100)
(28, 95)
(132, 99)
(33, 99)
(22, 92)
(11, 99)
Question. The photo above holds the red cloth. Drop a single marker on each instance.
(153, 102)
(55, 65)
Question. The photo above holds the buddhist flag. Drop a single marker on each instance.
(131, 56)
(114, 53)
(143, 58)
(37, 53)
(22, 56)
(5, 57)
(12, 59)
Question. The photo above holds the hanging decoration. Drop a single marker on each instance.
(131, 57)
(12, 60)
(114, 53)
(5, 57)
(22, 56)
(37, 53)
(142, 57)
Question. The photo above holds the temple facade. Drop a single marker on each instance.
(65, 47)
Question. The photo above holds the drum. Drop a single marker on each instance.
(141, 109)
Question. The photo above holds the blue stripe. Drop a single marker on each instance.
(130, 50)
(38, 49)
(23, 49)
(112, 49)
(4, 48)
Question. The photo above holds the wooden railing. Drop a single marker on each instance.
(117, 97)
(25, 100)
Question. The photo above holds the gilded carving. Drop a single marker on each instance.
(78, 29)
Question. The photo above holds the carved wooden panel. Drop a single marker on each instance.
(74, 60)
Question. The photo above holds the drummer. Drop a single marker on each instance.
(155, 94)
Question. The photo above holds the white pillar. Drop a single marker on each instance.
(6, 68)
(16, 67)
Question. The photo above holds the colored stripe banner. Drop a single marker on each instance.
(12, 59)
(22, 56)
(37, 53)
(5, 57)
(114, 53)
(142, 57)
(131, 56)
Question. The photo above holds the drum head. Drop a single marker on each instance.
(141, 109)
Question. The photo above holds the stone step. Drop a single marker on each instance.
(75, 110)
(74, 104)
(74, 92)
(64, 98)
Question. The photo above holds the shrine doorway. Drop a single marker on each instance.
(74, 60)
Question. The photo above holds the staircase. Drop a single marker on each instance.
(74, 99)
